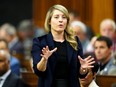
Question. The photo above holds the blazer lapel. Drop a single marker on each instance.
(51, 46)
(50, 41)
(69, 51)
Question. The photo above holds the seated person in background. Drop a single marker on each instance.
(8, 32)
(14, 62)
(88, 81)
(75, 16)
(103, 53)
(108, 29)
(7, 78)
(112, 71)
(26, 33)
(80, 30)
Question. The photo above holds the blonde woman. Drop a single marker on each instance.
(57, 55)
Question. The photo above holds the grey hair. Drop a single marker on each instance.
(10, 29)
(79, 24)
(109, 21)
(6, 54)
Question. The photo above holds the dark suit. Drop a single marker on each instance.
(13, 81)
(46, 77)
(15, 65)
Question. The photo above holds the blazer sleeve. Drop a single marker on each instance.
(80, 49)
(36, 51)
(80, 52)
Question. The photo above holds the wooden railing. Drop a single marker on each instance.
(103, 81)
(30, 79)
(106, 81)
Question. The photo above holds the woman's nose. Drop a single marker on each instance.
(60, 19)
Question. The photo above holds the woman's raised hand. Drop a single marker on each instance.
(87, 62)
(46, 53)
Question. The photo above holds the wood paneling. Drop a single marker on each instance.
(101, 9)
(40, 8)
(92, 11)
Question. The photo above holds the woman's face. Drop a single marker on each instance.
(58, 21)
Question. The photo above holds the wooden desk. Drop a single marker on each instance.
(106, 80)
(30, 79)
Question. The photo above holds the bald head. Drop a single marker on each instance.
(4, 54)
(107, 28)
(4, 62)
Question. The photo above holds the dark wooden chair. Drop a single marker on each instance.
(30, 79)
(106, 80)
(27, 65)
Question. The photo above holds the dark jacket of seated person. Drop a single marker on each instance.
(7, 78)
(14, 62)
(15, 65)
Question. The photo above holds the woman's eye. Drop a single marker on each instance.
(55, 17)
(64, 17)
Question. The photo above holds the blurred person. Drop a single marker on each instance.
(8, 32)
(81, 31)
(89, 80)
(26, 33)
(14, 62)
(39, 32)
(57, 55)
(112, 71)
(8, 79)
(108, 29)
(75, 16)
(25, 29)
(103, 53)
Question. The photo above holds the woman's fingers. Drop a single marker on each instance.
(80, 59)
(46, 52)
(47, 48)
(90, 60)
(54, 49)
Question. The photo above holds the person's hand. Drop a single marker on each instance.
(87, 62)
(46, 53)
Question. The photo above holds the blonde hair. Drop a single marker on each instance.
(68, 33)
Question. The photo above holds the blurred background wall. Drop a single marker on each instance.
(91, 11)
(14, 11)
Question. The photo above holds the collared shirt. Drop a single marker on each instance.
(4, 77)
(107, 67)
(93, 84)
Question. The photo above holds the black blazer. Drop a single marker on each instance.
(13, 81)
(46, 77)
